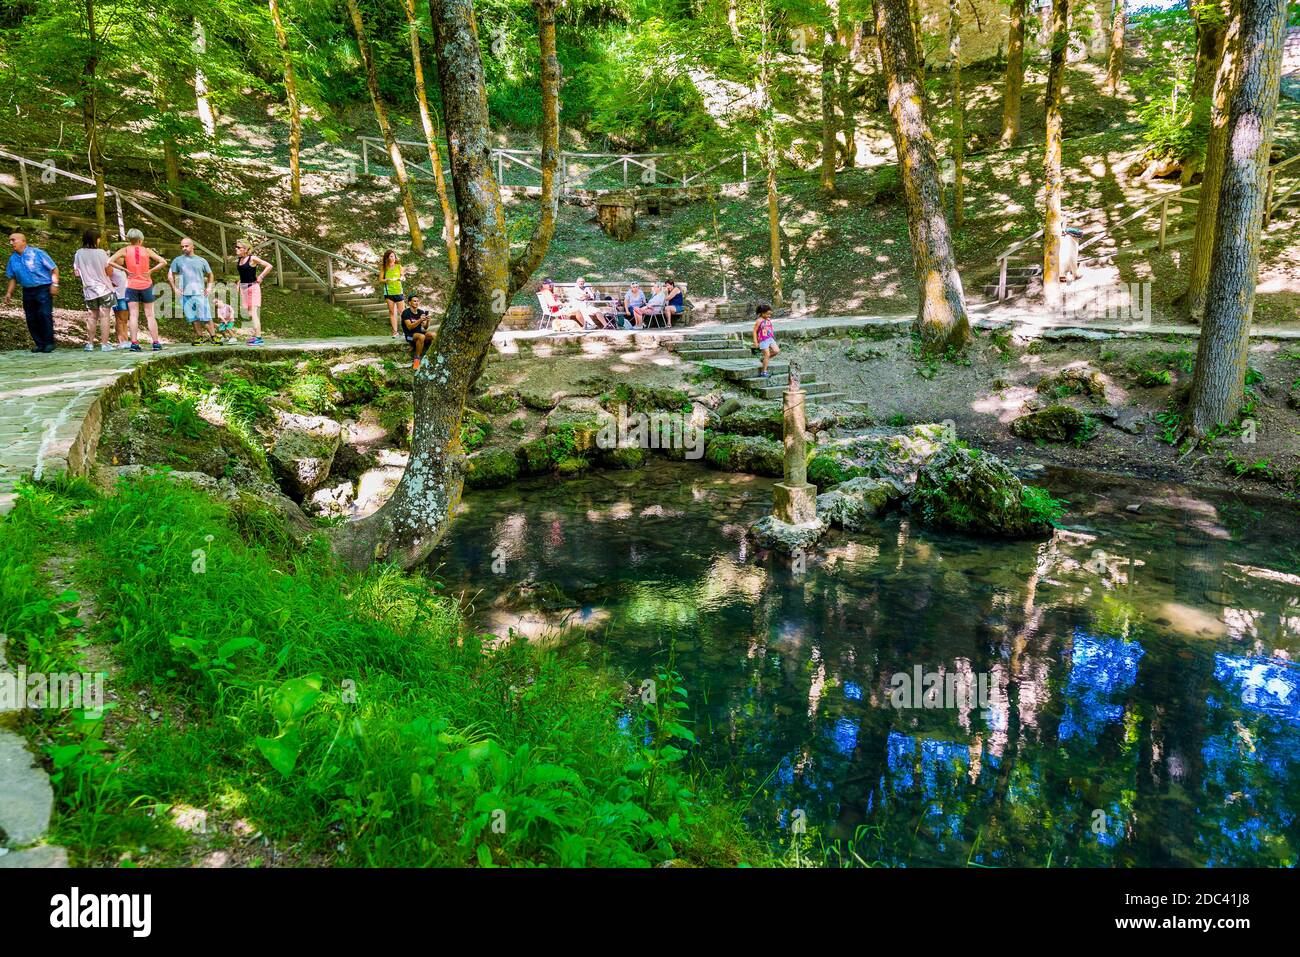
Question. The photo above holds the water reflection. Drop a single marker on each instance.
(1147, 709)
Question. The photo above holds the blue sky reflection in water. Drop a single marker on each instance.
(1144, 705)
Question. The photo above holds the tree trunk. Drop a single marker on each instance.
(1115, 63)
(1221, 354)
(844, 95)
(1216, 148)
(171, 159)
(1210, 29)
(1060, 38)
(204, 106)
(291, 95)
(1015, 74)
(958, 111)
(732, 21)
(412, 522)
(90, 118)
(770, 156)
(390, 141)
(830, 146)
(431, 137)
(941, 317)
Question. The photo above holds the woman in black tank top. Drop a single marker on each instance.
(250, 285)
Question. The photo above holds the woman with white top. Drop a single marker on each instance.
(96, 275)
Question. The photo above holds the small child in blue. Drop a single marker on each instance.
(765, 337)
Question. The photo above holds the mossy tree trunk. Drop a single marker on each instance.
(958, 111)
(202, 100)
(1059, 32)
(1221, 354)
(1015, 80)
(431, 136)
(1216, 152)
(941, 319)
(386, 130)
(408, 526)
(1115, 62)
(291, 98)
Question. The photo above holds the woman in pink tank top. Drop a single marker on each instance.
(139, 261)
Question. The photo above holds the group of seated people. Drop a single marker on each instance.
(587, 309)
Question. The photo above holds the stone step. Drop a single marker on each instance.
(704, 355)
(753, 378)
(774, 391)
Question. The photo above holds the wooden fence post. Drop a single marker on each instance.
(1002, 279)
(365, 157)
(27, 193)
(1268, 199)
(279, 266)
(224, 262)
(329, 278)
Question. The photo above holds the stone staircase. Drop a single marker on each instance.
(732, 358)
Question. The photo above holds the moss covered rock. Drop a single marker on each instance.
(489, 468)
(754, 418)
(1074, 380)
(885, 453)
(970, 491)
(535, 457)
(497, 401)
(643, 398)
(627, 457)
(1056, 423)
(744, 453)
(571, 465)
(855, 504)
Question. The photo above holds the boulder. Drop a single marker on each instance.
(489, 468)
(754, 418)
(770, 532)
(745, 453)
(332, 501)
(880, 453)
(1074, 380)
(1056, 423)
(855, 504)
(970, 491)
(626, 457)
(304, 452)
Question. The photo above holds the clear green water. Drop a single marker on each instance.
(1146, 708)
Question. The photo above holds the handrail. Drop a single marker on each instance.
(140, 200)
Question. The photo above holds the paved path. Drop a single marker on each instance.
(44, 399)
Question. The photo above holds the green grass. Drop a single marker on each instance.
(350, 718)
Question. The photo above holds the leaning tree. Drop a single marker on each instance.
(415, 518)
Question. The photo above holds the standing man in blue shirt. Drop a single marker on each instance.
(39, 276)
(191, 279)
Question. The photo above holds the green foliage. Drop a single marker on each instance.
(348, 717)
(181, 414)
(1259, 469)
(314, 394)
(1041, 505)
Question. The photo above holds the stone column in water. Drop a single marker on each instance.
(795, 498)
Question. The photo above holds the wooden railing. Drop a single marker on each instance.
(1178, 197)
(664, 170)
(163, 214)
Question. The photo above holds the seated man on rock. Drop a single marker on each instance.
(415, 326)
